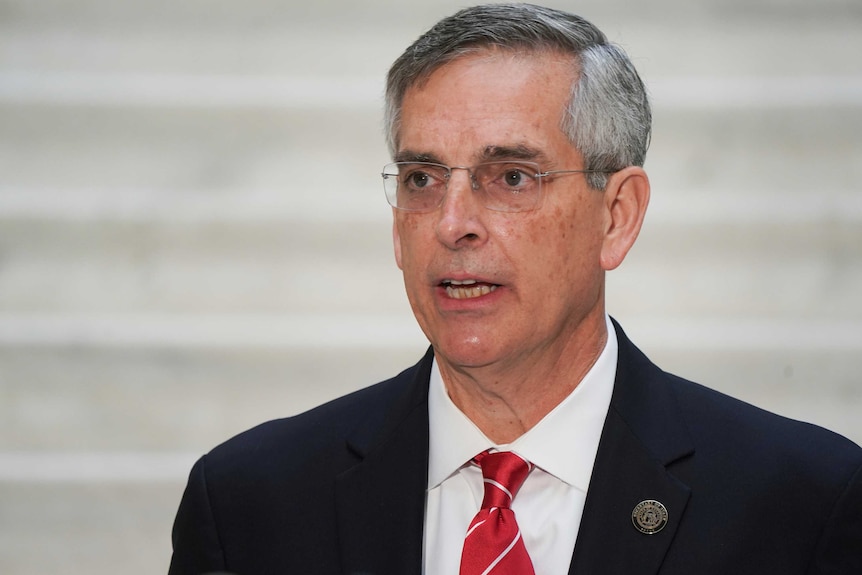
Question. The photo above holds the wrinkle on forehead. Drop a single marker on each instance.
(464, 113)
(485, 54)
(463, 64)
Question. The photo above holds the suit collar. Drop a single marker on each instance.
(643, 436)
(382, 497)
(648, 405)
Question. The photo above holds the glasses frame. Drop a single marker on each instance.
(538, 175)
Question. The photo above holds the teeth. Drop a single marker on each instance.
(462, 283)
(467, 292)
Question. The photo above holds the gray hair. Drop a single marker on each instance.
(608, 116)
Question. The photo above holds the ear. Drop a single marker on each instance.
(396, 240)
(626, 198)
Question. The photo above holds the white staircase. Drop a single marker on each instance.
(193, 234)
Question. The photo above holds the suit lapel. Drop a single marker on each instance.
(642, 437)
(381, 500)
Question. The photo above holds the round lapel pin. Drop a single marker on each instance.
(649, 516)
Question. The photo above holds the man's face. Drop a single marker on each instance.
(539, 282)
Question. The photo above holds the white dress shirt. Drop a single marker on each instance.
(550, 503)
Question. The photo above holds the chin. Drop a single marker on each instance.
(467, 352)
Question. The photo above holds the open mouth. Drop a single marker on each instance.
(467, 289)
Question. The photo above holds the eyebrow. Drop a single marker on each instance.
(411, 156)
(489, 154)
(516, 152)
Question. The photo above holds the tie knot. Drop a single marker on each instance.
(504, 472)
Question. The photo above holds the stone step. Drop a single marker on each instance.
(105, 400)
(719, 36)
(173, 153)
(807, 270)
(308, 160)
(93, 528)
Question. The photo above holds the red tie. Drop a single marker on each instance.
(493, 545)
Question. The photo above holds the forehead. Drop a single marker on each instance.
(488, 99)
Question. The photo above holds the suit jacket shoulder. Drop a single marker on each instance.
(290, 495)
(745, 490)
(363, 417)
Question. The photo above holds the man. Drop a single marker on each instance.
(518, 135)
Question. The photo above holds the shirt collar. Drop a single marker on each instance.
(564, 443)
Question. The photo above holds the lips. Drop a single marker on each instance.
(467, 289)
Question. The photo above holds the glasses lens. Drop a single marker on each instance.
(509, 186)
(502, 186)
(415, 186)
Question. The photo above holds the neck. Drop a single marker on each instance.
(507, 399)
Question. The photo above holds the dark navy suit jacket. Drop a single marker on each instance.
(341, 489)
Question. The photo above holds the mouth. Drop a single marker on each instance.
(467, 289)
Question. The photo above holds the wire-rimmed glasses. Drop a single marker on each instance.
(503, 186)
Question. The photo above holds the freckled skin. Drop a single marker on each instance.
(509, 357)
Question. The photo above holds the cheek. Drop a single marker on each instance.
(552, 232)
(570, 236)
(406, 237)
(396, 244)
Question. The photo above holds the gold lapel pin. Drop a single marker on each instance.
(649, 516)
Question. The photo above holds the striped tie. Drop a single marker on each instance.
(493, 544)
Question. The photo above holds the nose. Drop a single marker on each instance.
(460, 221)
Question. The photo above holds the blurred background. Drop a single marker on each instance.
(194, 239)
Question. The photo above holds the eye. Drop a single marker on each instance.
(417, 179)
(421, 177)
(515, 177)
(512, 177)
